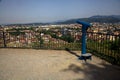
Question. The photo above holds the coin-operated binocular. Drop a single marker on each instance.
(85, 26)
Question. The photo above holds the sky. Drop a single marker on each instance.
(28, 11)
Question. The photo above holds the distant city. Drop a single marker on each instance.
(59, 32)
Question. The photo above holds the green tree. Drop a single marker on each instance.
(115, 45)
(67, 38)
(55, 36)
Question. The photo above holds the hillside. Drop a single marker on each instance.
(97, 18)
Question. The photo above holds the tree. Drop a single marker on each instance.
(115, 45)
(67, 38)
(55, 36)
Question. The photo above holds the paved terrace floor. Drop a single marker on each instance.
(31, 64)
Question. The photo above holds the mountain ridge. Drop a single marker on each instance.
(95, 18)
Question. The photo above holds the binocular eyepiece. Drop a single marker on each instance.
(84, 24)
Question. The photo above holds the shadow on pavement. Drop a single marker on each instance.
(71, 52)
(100, 71)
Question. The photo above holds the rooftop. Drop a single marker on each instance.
(32, 64)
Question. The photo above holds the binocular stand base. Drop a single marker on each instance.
(86, 56)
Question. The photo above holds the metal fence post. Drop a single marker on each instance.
(4, 41)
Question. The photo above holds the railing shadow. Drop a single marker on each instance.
(71, 52)
(112, 59)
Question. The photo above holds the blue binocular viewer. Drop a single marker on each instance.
(85, 26)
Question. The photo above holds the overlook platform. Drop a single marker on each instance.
(32, 64)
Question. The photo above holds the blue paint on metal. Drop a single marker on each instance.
(85, 26)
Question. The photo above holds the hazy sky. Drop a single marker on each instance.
(27, 11)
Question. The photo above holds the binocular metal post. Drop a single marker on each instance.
(84, 55)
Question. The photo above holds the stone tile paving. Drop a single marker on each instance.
(31, 64)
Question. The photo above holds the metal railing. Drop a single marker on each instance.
(106, 46)
(34, 40)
